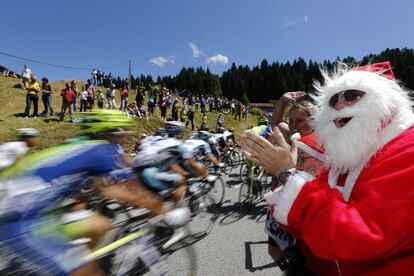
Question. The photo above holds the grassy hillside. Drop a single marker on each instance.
(52, 132)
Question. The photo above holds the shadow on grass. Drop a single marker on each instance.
(48, 120)
(19, 114)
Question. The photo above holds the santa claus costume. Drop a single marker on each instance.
(359, 210)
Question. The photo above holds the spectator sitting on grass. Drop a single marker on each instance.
(204, 118)
(132, 110)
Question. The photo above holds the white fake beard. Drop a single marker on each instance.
(351, 146)
(381, 114)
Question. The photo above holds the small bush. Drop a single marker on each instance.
(257, 112)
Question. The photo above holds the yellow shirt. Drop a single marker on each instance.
(33, 85)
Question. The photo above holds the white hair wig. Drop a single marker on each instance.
(379, 116)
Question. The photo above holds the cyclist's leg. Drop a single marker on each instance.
(132, 192)
(162, 180)
(85, 223)
(40, 248)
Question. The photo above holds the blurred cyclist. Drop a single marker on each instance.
(11, 152)
(33, 237)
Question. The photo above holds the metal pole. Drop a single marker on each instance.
(129, 75)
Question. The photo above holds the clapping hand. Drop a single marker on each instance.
(274, 155)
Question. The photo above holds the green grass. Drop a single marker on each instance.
(13, 102)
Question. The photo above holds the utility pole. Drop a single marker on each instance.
(129, 75)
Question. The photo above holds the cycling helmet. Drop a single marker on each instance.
(203, 135)
(174, 127)
(104, 121)
(204, 127)
(231, 129)
(263, 121)
(142, 136)
(27, 132)
(221, 130)
(160, 131)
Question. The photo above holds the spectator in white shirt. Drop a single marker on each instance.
(26, 74)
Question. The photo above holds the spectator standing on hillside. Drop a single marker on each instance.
(174, 110)
(124, 98)
(110, 97)
(196, 102)
(93, 75)
(244, 112)
(191, 101)
(190, 118)
(238, 109)
(163, 106)
(151, 103)
(33, 89)
(47, 98)
(109, 80)
(203, 103)
(91, 94)
(100, 99)
(83, 99)
(98, 78)
(26, 74)
(104, 79)
(220, 120)
(210, 102)
(76, 92)
(67, 102)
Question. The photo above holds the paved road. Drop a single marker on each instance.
(235, 247)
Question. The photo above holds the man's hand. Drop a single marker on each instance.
(275, 157)
(291, 97)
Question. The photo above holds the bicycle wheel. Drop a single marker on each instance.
(245, 199)
(205, 214)
(235, 156)
(217, 190)
(243, 172)
(157, 262)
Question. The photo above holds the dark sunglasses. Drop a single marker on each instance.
(348, 95)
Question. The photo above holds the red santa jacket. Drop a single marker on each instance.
(370, 234)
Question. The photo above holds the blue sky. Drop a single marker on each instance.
(162, 36)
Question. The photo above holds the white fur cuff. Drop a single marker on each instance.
(287, 195)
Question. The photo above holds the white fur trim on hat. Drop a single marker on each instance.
(288, 195)
(311, 151)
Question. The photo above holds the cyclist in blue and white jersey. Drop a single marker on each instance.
(147, 140)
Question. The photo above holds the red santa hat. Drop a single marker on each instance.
(384, 68)
(310, 145)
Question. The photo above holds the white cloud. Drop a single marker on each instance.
(162, 61)
(196, 51)
(304, 19)
(217, 59)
